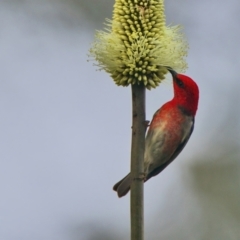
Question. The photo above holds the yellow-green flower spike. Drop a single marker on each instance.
(137, 45)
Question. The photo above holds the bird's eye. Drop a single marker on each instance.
(180, 83)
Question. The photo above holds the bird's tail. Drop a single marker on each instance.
(123, 186)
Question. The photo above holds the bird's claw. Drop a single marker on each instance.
(146, 123)
(141, 177)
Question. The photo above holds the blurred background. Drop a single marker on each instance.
(65, 128)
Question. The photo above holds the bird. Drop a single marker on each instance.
(169, 131)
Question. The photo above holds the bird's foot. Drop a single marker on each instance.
(141, 177)
(146, 124)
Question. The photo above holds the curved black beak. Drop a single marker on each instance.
(174, 74)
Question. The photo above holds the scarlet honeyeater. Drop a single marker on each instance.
(169, 131)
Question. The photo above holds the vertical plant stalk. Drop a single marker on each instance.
(137, 157)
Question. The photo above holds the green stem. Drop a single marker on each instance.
(137, 157)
